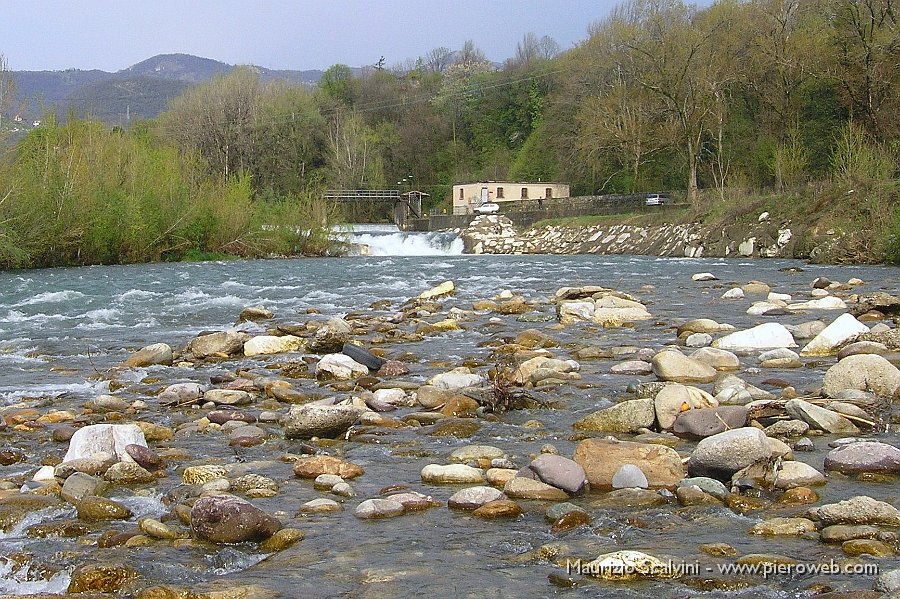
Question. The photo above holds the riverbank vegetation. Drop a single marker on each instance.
(788, 105)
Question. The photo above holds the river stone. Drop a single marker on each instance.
(220, 343)
(672, 400)
(180, 394)
(143, 456)
(602, 458)
(723, 454)
(672, 365)
(451, 474)
(321, 505)
(156, 529)
(734, 293)
(708, 485)
(158, 353)
(445, 288)
(770, 335)
(866, 372)
(560, 472)
(794, 474)
(413, 501)
(625, 417)
(94, 509)
(844, 328)
(474, 453)
(378, 508)
(128, 473)
(473, 498)
(704, 276)
(629, 476)
(281, 540)
(857, 510)
(255, 313)
(101, 578)
(225, 519)
(611, 310)
(228, 397)
(795, 527)
(698, 340)
(458, 378)
(719, 359)
(703, 325)
(819, 418)
(307, 421)
(862, 347)
(81, 485)
(779, 358)
(838, 533)
(262, 345)
(888, 582)
(502, 508)
(569, 312)
(528, 370)
(526, 488)
(864, 456)
(871, 547)
(628, 565)
(103, 438)
(636, 367)
(339, 367)
(313, 466)
(824, 303)
(787, 428)
(706, 422)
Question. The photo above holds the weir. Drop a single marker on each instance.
(389, 240)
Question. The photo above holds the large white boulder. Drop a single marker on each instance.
(864, 372)
(770, 335)
(844, 328)
(340, 367)
(109, 439)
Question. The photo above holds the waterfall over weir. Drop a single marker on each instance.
(388, 240)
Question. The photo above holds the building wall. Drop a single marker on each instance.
(469, 195)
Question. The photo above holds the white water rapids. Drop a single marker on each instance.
(388, 240)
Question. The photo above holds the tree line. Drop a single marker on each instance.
(661, 95)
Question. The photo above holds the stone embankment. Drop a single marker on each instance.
(496, 234)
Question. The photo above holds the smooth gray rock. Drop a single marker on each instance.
(378, 508)
(473, 498)
(819, 418)
(708, 485)
(226, 519)
(227, 343)
(865, 456)
(81, 485)
(363, 356)
(307, 421)
(706, 422)
(624, 417)
(723, 454)
(629, 476)
(865, 372)
(560, 472)
(672, 365)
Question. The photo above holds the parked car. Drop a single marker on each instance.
(487, 208)
(657, 199)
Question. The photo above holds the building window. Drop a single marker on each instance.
(548, 193)
(524, 193)
(461, 197)
(499, 193)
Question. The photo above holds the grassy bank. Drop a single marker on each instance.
(836, 223)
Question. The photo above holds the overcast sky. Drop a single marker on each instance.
(284, 34)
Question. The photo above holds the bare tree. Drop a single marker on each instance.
(470, 55)
(438, 60)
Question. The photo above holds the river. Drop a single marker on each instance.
(59, 328)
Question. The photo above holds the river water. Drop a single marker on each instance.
(60, 327)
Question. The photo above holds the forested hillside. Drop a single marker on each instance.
(793, 97)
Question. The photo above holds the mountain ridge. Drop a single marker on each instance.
(140, 91)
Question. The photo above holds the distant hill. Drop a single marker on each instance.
(140, 91)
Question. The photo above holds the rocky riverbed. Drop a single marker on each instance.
(572, 433)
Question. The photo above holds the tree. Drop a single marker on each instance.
(338, 86)
(218, 119)
(866, 36)
(437, 60)
(7, 87)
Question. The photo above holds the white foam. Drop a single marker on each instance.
(136, 294)
(51, 296)
(19, 581)
(17, 316)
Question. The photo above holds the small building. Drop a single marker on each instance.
(467, 196)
